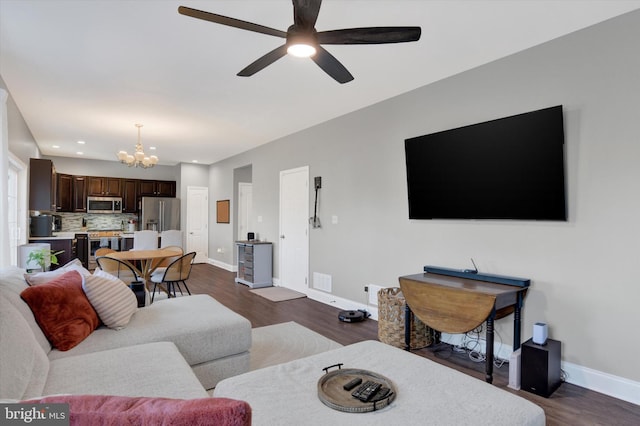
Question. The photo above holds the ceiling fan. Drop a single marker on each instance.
(302, 39)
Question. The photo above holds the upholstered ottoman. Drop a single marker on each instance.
(427, 392)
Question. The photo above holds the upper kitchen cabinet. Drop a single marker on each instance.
(104, 186)
(80, 194)
(71, 193)
(157, 188)
(64, 193)
(129, 196)
(42, 185)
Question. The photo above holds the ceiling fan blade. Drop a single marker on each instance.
(263, 61)
(305, 13)
(370, 35)
(331, 66)
(231, 22)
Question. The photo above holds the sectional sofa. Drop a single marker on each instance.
(173, 348)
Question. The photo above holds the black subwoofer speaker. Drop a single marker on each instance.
(540, 367)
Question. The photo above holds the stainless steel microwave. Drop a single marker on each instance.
(104, 205)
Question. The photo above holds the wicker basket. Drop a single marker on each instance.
(391, 305)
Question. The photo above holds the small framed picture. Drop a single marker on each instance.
(222, 211)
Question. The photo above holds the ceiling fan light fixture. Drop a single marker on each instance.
(301, 44)
(301, 50)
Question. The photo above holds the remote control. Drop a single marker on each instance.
(366, 390)
(381, 394)
(352, 384)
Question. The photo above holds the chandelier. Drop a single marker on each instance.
(138, 159)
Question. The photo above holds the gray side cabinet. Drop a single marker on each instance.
(255, 259)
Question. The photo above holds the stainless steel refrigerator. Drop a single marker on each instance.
(159, 213)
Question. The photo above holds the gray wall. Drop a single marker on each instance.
(21, 141)
(584, 283)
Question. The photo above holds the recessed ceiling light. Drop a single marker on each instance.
(81, 142)
(55, 146)
(153, 148)
(194, 161)
(80, 153)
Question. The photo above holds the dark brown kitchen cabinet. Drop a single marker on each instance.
(42, 185)
(80, 194)
(71, 193)
(64, 193)
(104, 186)
(129, 196)
(157, 188)
(166, 188)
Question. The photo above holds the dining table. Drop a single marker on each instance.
(148, 260)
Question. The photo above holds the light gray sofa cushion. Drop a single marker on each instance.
(12, 283)
(23, 363)
(202, 328)
(153, 370)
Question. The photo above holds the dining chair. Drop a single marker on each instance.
(145, 240)
(177, 272)
(171, 237)
(118, 269)
(162, 265)
(103, 251)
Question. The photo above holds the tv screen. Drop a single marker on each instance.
(509, 168)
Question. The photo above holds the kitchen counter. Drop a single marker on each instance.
(70, 235)
(58, 236)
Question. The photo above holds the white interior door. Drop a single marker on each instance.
(294, 228)
(245, 195)
(197, 223)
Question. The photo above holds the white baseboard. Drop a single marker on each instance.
(608, 384)
(339, 302)
(222, 265)
(597, 381)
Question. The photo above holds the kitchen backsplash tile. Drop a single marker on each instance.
(72, 222)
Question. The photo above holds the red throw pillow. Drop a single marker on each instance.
(102, 410)
(62, 310)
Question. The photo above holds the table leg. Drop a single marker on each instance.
(517, 326)
(408, 317)
(489, 359)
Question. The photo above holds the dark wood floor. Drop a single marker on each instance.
(569, 405)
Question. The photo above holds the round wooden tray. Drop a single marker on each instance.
(332, 394)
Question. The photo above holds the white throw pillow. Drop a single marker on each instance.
(112, 299)
(44, 277)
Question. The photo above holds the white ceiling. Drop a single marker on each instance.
(89, 70)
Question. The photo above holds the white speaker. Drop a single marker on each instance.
(540, 333)
(514, 370)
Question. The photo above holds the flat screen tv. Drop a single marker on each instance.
(509, 168)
